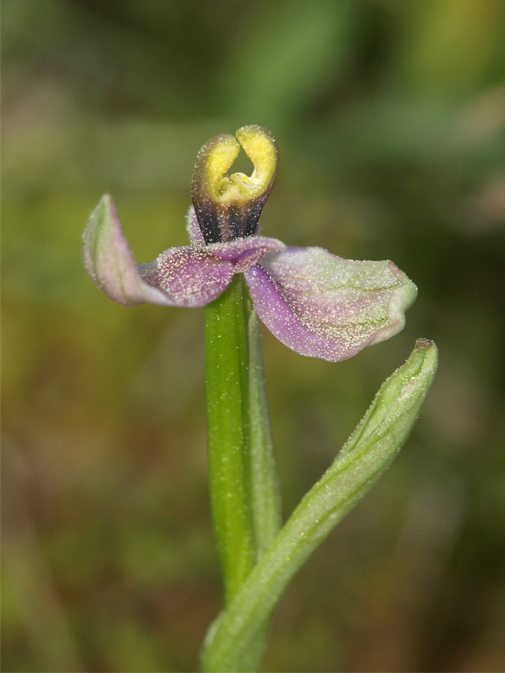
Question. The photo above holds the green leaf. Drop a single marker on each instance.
(234, 641)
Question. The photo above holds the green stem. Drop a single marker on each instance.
(245, 494)
(264, 479)
(227, 389)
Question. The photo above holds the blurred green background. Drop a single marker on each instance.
(390, 118)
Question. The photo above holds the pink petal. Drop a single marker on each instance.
(324, 306)
(178, 277)
(193, 229)
(245, 252)
(188, 276)
(109, 260)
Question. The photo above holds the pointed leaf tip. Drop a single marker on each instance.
(399, 400)
(422, 344)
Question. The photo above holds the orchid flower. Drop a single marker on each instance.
(317, 304)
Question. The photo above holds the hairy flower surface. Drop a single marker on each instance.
(316, 303)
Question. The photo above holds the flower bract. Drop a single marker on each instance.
(316, 303)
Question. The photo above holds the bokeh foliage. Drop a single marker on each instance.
(390, 117)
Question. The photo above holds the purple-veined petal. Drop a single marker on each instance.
(245, 252)
(188, 276)
(193, 229)
(109, 260)
(324, 306)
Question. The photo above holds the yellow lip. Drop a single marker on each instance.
(219, 155)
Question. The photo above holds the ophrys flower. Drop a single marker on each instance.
(316, 303)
